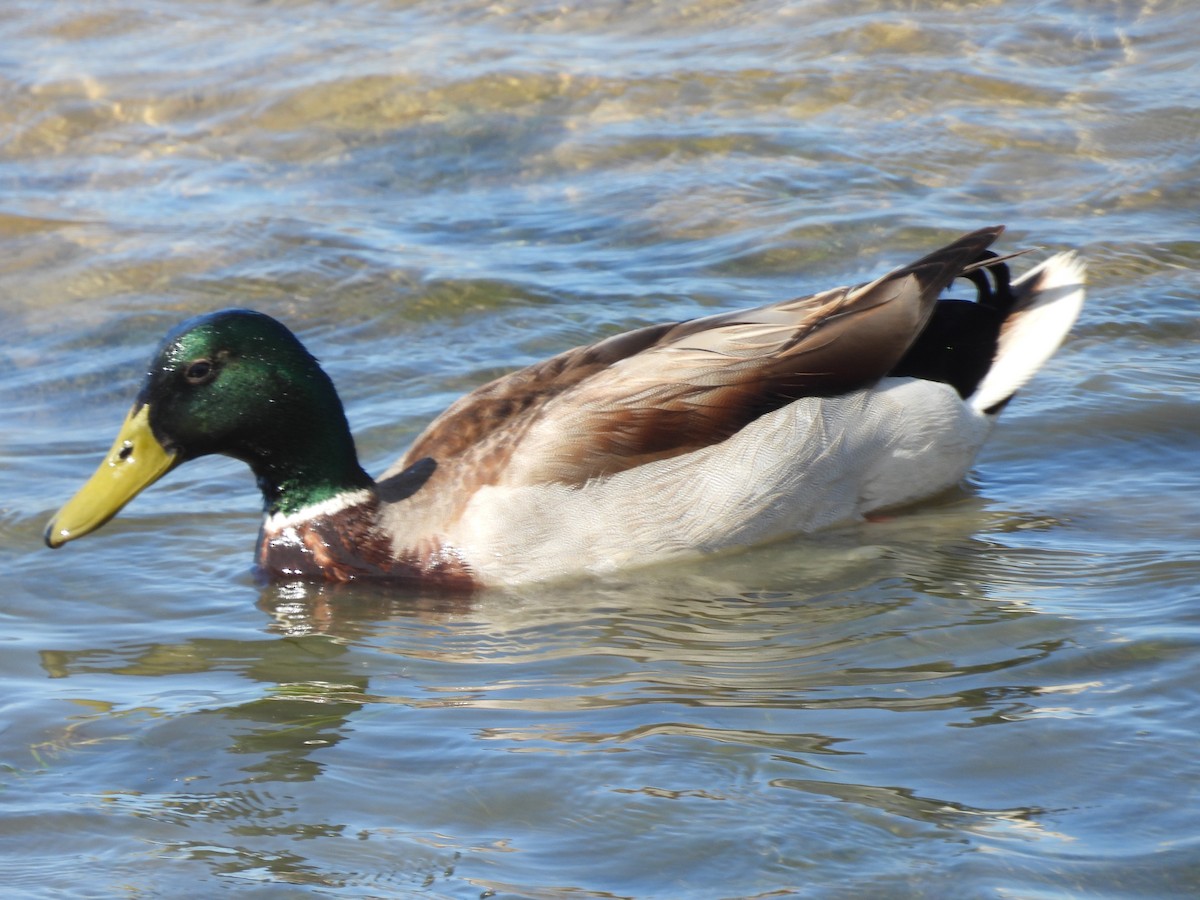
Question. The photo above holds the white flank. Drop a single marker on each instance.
(336, 504)
(816, 463)
(1049, 299)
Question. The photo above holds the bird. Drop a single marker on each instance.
(671, 441)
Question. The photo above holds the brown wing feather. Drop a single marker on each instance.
(670, 389)
(503, 403)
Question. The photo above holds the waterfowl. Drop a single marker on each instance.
(672, 440)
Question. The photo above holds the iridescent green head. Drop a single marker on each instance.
(234, 382)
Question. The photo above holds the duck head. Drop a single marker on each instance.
(238, 383)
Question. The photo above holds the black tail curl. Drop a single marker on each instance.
(959, 342)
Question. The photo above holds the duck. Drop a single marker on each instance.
(671, 441)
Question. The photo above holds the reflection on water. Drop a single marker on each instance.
(584, 692)
(976, 698)
(380, 740)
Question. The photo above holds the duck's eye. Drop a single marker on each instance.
(199, 371)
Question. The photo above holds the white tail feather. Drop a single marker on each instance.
(1049, 298)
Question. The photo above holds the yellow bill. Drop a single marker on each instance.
(135, 462)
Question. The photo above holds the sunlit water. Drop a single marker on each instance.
(991, 696)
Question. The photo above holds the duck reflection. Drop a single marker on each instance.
(672, 685)
(310, 692)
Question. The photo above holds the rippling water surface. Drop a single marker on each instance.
(991, 696)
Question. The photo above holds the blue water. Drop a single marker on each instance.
(993, 695)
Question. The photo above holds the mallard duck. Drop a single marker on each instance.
(672, 440)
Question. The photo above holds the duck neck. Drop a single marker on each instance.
(292, 484)
(311, 461)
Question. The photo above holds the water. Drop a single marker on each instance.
(991, 696)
